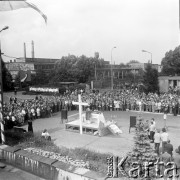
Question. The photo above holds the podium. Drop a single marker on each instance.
(88, 115)
(64, 115)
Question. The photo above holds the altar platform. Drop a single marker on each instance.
(88, 128)
(93, 123)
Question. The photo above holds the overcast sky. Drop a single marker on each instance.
(85, 26)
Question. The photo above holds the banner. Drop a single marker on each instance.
(44, 89)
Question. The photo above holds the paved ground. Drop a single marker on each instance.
(108, 144)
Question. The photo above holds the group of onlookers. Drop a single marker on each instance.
(122, 100)
(162, 144)
(19, 111)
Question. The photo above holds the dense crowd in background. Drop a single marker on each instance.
(19, 111)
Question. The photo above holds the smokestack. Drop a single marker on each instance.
(25, 51)
(32, 49)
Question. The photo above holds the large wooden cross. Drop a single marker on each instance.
(80, 103)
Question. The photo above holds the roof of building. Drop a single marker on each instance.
(169, 77)
(41, 60)
(67, 82)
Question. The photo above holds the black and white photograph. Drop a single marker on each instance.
(90, 90)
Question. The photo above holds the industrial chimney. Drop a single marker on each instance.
(25, 51)
(32, 49)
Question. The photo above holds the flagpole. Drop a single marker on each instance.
(1, 113)
(1, 96)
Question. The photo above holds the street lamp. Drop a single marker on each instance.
(111, 69)
(1, 89)
(96, 56)
(149, 53)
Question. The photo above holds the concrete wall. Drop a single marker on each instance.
(50, 169)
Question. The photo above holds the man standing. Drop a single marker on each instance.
(140, 104)
(152, 129)
(153, 120)
(164, 138)
(165, 158)
(169, 147)
(176, 158)
(23, 112)
(165, 118)
(157, 140)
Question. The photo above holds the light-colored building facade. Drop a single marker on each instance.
(165, 82)
(15, 67)
(144, 65)
(121, 72)
(30, 64)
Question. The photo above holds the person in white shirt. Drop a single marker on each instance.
(153, 120)
(46, 135)
(159, 106)
(164, 138)
(23, 112)
(152, 129)
(116, 103)
(157, 141)
(140, 104)
(33, 113)
(13, 118)
(165, 118)
(38, 112)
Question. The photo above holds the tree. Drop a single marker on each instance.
(71, 68)
(122, 65)
(150, 79)
(85, 67)
(142, 151)
(6, 78)
(40, 78)
(132, 61)
(171, 62)
(65, 70)
(17, 80)
(130, 77)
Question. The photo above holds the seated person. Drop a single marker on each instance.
(46, 135)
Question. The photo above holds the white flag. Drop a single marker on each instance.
(6, 5)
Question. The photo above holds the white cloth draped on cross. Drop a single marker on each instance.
(6, 5)
(80, 104)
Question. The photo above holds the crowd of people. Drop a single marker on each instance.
(19, 111)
